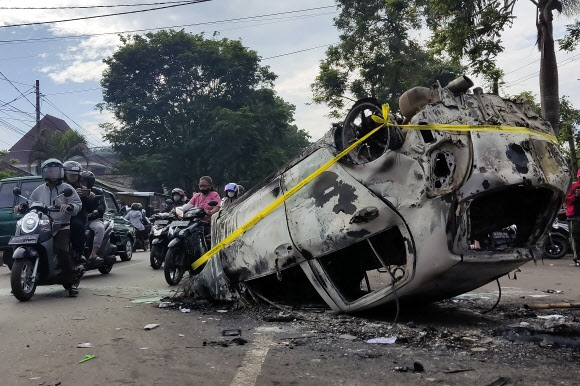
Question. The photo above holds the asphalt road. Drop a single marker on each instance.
(39, 338)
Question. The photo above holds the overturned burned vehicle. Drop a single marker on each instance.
(410, 214)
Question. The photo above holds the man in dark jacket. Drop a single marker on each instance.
(94, 206)
(72, 172)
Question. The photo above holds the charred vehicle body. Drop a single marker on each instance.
(410, 214)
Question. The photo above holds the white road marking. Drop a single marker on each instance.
(247, 375)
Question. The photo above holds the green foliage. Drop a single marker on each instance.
(572, 38)
(376, 56)
(531, 99)
(57, 144)
(188, 106)
(5, 173)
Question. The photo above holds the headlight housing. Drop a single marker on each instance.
(29, 222)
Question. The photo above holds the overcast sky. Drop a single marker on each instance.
(69, 70)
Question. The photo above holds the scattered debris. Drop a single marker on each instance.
(232, 332)
(280, 318)
(87, 358)
(166, 304)
(501, 381)
(383, 340)
(551, 317)
(551, 291)
(226, 343)
(222, 311)
(347, 337)
(151, 326)
(417, 368)
(551, 305)
(457, 371)
(184, 310)
(181, 335)
(85, 345)
(146, 300)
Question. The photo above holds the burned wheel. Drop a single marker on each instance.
(358, 123)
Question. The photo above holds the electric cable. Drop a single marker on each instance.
(98, 6)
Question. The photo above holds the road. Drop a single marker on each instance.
(39, 339)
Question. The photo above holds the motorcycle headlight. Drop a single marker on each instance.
(29, 222)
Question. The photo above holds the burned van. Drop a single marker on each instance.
(413, 214)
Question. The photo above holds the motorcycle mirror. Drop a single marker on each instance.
(68, 192)
(16, 191)
(212, 203)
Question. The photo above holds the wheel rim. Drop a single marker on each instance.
(128, 249)
(554, 248)
(175, 273)
(26, 278)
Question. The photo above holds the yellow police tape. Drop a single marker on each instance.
(384, 122)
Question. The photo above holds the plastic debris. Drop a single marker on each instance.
(551, 291)
(551, 317)
(181, 335)
(347, 337)
(166, 304)
(184, 310)
(143, 348)
(85, 345)
(383, 340)
(222, 311)
(87, 358)
(151, 326)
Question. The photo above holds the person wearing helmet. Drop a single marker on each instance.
(53, 173)
(72, 172)
(94, 206)
(138, 219)
(178, 198)
(206, 194)
(231, 193)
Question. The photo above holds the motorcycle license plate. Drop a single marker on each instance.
(23, 239)
(180, 223)
(161, 222)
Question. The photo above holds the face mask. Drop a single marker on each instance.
(177, 197)
(204, 191)
(231, 194)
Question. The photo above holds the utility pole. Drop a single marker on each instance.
(37, 103)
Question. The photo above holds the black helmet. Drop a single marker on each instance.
(72, 167)
(88, 178)
(135, 206)
(52, 168)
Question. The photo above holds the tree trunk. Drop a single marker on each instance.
(549, 93)
(573, 158)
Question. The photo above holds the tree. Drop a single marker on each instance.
(376, 56)
(189, 106)
(57, 144)
(569, 121)
(5, 173)
(572, 38)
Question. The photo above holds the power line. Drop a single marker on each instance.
(100, 6)
(75, 91)
(99, 16)
(533, 75)
(247, 18)
(296, 52)
(24, 84)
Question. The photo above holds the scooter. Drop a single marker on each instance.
(558, 242)
(35, 262)
(158, 239)
(107, 250)
(189, 241)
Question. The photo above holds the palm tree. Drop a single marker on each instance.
(549, 92)
(57, 144)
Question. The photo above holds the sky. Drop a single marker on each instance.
(290, 37)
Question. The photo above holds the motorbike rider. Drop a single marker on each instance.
(572, 202)
(232, 192)
(138, 219)
(72, 171)
(206, 194)
(94, 206)
(178, 198)
(53, 173)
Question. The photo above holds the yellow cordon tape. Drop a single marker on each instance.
(384, 122)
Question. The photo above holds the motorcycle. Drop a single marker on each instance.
(107, 250)
(35, 262)
(158, 239)
(189, 240)
(558, 242)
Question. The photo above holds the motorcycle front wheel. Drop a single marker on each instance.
(156, 256)
(21, 280)
(172, 269)
(556, 247)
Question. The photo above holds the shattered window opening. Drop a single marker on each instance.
(356, 271)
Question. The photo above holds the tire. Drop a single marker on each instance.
(556, 248)
(156, 256)
(20, 290)
(172, 270)
(105, 269)
(127, 254)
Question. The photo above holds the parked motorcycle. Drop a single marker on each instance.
(189, 240)
(158, 238)
(35, 262)
(558, 242)
(107, 250)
